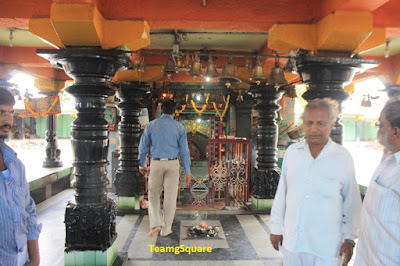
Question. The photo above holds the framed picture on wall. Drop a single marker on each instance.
(111, 116)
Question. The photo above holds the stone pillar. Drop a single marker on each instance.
(266, 176)
(129, 182)
(32, 124)
(243, 116)
(90, 218)
(52, 158)
(326, 77)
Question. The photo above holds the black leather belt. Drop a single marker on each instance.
(165, 159)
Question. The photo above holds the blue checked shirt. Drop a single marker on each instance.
(168, 139)
(17, 209)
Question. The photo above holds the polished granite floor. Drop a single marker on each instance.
(243, 238)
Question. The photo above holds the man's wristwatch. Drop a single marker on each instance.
(351, 242)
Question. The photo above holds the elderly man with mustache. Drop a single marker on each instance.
(20, 231)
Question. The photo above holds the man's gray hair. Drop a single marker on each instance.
(392, 113)
(330, 104)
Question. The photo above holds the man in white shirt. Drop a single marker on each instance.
(316, 209)
(379, 242)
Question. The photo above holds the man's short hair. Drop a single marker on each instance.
(6, 97)
(392, 113)
(168, 107)
(330, 104)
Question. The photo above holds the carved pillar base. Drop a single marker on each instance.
(265, 183)
(90, 227)
(326, 77)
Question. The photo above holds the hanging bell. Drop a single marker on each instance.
(189, 97)
(170, 66)
(211, 98)
(142, 66)
(258, 73)
(187, 62)
(220, 99)
(248, 64)
(135, 63)
(366, 102)
(211, 68)
(290, 92)
(240, 96)
(178, 62)
(195, 70)
(229, 74)
(277, 76)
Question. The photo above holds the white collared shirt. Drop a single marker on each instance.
(318, 202)
(379, 242)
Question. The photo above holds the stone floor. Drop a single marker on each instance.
(243, 238)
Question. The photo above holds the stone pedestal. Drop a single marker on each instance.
(266, 175)
(326, 77)
(129, 182)
(90, 218)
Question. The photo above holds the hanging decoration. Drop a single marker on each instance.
(42, 106)
(178, 112)
(221, 116)
(204, 106)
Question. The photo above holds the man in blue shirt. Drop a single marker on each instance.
(168, 141)
(19, 231)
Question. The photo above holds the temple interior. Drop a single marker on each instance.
(89, 75)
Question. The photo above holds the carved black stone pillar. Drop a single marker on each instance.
(326, 77)
(90, 219)
(128, 180)
(243, 117)
(52, 158)
(266, 176)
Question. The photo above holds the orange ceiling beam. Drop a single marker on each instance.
(328, 6)
(251, 15)
(389, 68)
(21, 55)
(388, 15)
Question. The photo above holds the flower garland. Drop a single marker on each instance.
(202, 109)
(177, 112)
(44, 113)
(226, 108)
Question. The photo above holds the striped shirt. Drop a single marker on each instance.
(168, 139)
(17, 209)
(379, 242)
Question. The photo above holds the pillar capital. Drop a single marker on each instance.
(49, 85)
(82, 24)
(338, 31)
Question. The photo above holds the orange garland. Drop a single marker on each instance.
(226, 108)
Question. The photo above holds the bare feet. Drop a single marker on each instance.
(167, 234)
(154, 231)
